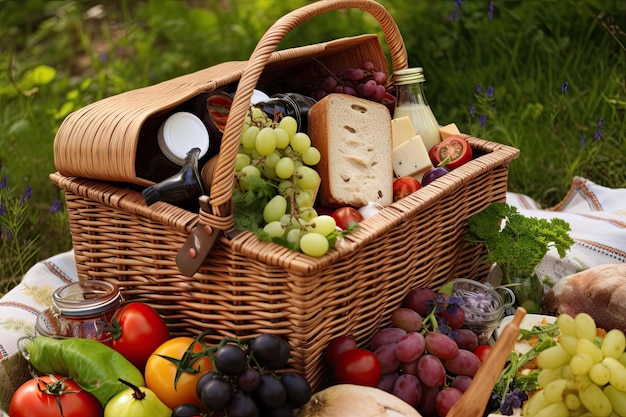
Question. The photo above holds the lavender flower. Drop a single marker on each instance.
(472, 111)
(490, 10)
(581, 140)
(55, 207)
(3, 210)
(490, 91)
(564, 87)
(483, 120)
(479, 89)
(3, 183)
(598, 131)
(456, 14)
(513, 399)
(27, 194)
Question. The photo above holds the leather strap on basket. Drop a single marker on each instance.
(216, 212)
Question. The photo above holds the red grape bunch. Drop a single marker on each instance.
(365, 81)
(426, 356)
(244, 381)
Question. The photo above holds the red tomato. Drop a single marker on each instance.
(337, 346)
(38, 397)
(456, 147)
(404, 186)
(139, 330)
(482, 351)
(358, 366)
(345, 215)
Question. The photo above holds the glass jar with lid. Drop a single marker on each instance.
(81, 309)
(411, 102)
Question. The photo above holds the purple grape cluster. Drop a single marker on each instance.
(428, 367)
(244, 382)
(365, 82)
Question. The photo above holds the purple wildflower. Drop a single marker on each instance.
(513, 399)
(490, 91)
(55, 207)
(581, 140)
(3, 183)
(479, 89)
(483, 120)
(27, 194)
(3, 209)
(490, 10)
(472, 111)
(598, 132)
(564, 87)
(456, 14)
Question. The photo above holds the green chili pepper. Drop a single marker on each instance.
(95, 367)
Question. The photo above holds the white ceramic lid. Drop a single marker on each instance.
(180, 133)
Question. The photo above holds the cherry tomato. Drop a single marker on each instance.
(404, 186)
(137, 331)
(345, 215)
(482, 351)
(160, 373)
(38, 397)
(455, 147)
(337, 346)
(358, 366)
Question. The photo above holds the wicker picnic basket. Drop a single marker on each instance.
(244, 286)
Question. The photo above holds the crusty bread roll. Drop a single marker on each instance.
(353, 136)
(599, 291)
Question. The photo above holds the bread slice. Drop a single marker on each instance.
(354, 138)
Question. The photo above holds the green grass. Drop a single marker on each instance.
(58, 56)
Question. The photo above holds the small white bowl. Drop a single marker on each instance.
(528, 322)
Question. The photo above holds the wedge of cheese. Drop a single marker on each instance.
(410, 158)
(401, 130)
(448, 130)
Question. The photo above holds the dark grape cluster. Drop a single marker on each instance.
(365, 81)
(244, 381)
(426, 355)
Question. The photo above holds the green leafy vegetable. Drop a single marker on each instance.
(510, 378)
(248, 205)
(516, 242)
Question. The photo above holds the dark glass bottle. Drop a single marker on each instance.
(288, 104)
(182, 189)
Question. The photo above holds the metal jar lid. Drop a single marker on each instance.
(181, 132)
(86, 298)
(409, 76)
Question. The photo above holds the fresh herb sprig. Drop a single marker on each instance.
(517, 242)
(511, 387)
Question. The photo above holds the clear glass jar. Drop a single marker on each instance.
(411, 102)
(483, 304)
(81, 309)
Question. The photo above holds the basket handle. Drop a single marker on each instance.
(216, 212)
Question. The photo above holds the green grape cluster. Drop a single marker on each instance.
(275, 151)
(583, 374)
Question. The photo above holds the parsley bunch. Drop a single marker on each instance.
(516, 242)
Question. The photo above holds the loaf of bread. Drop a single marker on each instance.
(354, 138)
(599, 291)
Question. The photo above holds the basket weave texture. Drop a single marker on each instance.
(245, 286)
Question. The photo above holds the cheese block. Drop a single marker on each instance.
(401, 130)
(353, 136)
(411, 159)
(448, 130)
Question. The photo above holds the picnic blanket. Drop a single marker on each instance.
(597, 216)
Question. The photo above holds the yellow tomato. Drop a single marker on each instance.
(160, 373)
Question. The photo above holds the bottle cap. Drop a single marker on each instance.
(409, 76)
(181, 132)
